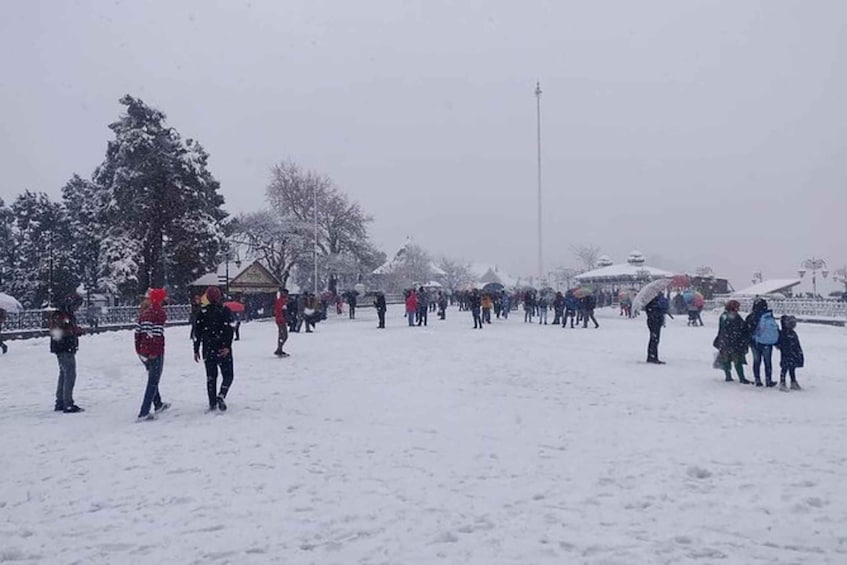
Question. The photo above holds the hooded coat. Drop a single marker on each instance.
(789, 347)
(732, 339)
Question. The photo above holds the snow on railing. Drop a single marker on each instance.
(31, 320)
(800, 308)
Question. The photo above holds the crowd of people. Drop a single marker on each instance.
(759, 333)
(213, 328)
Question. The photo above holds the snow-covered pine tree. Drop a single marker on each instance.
(45, 269)
(82, 202)
(162, 210)
(7, 245)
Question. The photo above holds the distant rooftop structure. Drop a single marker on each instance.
(771, 286)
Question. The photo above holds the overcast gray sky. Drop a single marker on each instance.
(700, 132)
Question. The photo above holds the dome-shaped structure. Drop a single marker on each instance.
(636, 258)
(604, 261)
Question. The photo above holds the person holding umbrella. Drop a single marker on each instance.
(656, 311)
(237, 309)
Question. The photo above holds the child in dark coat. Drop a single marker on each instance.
(792, 353)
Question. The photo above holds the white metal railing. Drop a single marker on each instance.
(799, 307)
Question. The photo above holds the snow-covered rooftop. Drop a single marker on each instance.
(622, 272)
(770, 286)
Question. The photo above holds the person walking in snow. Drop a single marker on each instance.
(150, 348)
(505, 304)
(543, 306)
(487, 304)
(214, 334)
(411, 306)
(442, 305)
(196, 305)
(381, 307)
(588, 303)
(571, 306)
(656, 311)
(731, 342)
(64, 343)
(791, 357)
(352, 300)
(558, 308)
(3, 346)
(423, 306)
(764, 334)
(475, 302)
(528, 307)
(280, 306)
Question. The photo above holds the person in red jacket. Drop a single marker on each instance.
(281, 322)
(150, 347)
(411, 305)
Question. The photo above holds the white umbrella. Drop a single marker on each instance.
(649, 292)
(9, 304)
(433, 284)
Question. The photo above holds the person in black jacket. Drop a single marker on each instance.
(2, 321)
(731, 342)
(588, 303)
(656, 310)
(791, 357)
(64, 343)
(475, 301)
(214, 331)
(381, 307)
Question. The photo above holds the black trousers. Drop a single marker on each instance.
(381, 314)
(477, 320)
(212, 362)
(423, 314)
(655, 327)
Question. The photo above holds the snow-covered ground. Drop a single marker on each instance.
(515, 444)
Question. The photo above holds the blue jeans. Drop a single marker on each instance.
(151, 393)
(67, 379)
(411, 316)
(762, 352)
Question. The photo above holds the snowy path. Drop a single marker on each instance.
(515, 444)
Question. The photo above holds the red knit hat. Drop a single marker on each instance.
(157, 295)
(213, 294)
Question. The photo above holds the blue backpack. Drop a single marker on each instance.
(767, 332)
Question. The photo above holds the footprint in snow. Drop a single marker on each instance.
(696, 472)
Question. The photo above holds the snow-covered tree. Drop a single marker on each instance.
(44, 268)
(161, 208)
(278, 243)
(7, 245)
(81, 199)
(458, 273)
(587, 254)
(345, 252)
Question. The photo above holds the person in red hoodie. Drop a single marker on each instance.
(411, 305)
(150, 347)
(281, 322)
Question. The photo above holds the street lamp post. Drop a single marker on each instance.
(538, 124)
(814, 264)
(841, 276)
(316, 238)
